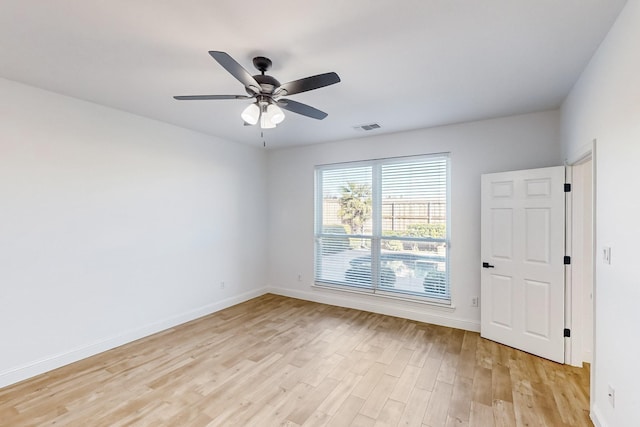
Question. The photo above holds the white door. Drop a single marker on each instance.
(522, 281)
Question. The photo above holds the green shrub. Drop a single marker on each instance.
(435, 230)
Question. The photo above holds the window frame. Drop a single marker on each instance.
(376, 235)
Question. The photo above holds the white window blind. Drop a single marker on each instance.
(382, 226)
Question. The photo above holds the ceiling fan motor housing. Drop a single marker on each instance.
(267, 83)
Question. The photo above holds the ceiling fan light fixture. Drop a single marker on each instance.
(265, 123)
(267, 113)
(251, 114)
(274, 114)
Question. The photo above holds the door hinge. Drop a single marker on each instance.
(567, 333)
(567, 187)
(567, 260)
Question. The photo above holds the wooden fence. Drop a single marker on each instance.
(397, 214)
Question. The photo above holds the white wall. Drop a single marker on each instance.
(114, 226)
(518, 142)
(605, 105)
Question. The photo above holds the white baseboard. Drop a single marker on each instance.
(376, 304)
(55, 361)
(596, 417)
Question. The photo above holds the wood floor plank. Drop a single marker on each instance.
(363, 421)
(390, 414)
(320, 370)
(369, 380)
(456, 422)
(448, 368)
(317, 419)
(339, 394)
(405, 384)
(281, 361)
(401, 359)
(378, 396)
(347, 411)
(436, 414)
(503, 414)
(482, 386)
(428, 374)
(415, 408)
(420, 348)
(501, 383)
(481, 415)
(461, 399)
(309, 403)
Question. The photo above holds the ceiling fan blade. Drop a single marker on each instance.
(204, 97)
(300, 108)
(308, 83)
(236, 70)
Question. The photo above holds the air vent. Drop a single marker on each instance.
(368, 127)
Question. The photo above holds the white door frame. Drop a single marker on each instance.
(574, 349)
(579, 284)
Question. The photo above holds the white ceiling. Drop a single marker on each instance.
(404, 64)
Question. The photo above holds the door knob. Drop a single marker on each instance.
(487, 265)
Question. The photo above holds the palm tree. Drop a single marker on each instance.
(355, 206)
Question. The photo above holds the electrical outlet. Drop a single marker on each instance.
(611, 394)
(606, 255)
(299, 277)
(475, 301)
(221, 285)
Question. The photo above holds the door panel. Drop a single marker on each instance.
(523, 240)
(501, 236)
(537, 229)
(537, 308)
(501, 293)
(502, 189)
(538, 188)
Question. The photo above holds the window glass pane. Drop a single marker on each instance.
(346, 201)
(414, 199)
(414, 208)
(337, 263)
(415, 272)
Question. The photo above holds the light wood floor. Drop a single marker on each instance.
(280, 361)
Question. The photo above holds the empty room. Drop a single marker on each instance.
(332, 214)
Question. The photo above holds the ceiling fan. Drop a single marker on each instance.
(268, 92)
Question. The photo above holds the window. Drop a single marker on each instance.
(381, 226)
